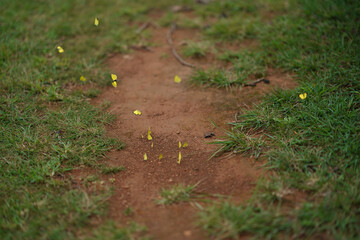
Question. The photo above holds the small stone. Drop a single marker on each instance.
(170, 180)
(208, 134)
(187, 233)
(176, 8)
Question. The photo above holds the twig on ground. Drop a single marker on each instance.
(142, 27)
(176, 55)
(145, 26)
(253, 83)
(141, 48)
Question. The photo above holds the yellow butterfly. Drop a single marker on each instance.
(145, 157)
(60, 49)
(179, 158)
(303, 96)
(96, 22)
(160, 156)
(114, 78)
(179, 144)
(177, 79)
(82, 78)
(149, 137)
(137, 112)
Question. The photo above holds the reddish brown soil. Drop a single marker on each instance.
(175, 112)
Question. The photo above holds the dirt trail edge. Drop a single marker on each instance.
(174, 112)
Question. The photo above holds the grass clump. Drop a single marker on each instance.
(216, 78)
(92, 93)
(112, 170)
(196, 49)
(233, 29)
(111, 231)
(176, 194)
(129, 211)
(237, 141)
(56, 211)
(245, 65)
(226, 220)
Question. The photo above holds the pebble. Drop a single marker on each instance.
(208, 134)
(187, 233)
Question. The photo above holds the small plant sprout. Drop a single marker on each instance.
(149, 137)
(179, 144)
(114, 80)
(60, 49)
(177, 79)
(137, 112)
(179, 158)
(160, 156)
(128, 211)
(82, 78)
(145, 157)
(303, 96)
(112, 180)
(96, 22)
(152, 145)
(185, 145)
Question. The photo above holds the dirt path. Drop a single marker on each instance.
(175, 112)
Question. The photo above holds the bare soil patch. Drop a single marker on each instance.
(174, 112)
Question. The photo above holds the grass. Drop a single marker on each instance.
(110, 230)
(233, 29)
(236, 141)
(129, 211)
(212, 77)
(56, 211)
(245, 66)
(47, 129)
(224, 221)
(196, 49)
(112, 170)
(176, 194)
(312, 143)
